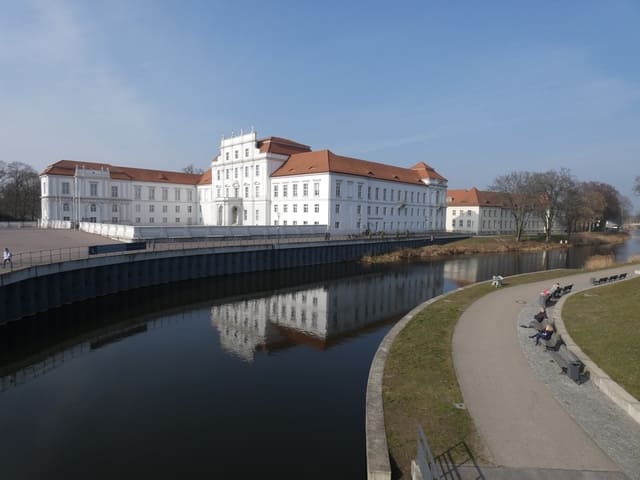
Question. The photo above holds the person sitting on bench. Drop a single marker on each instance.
(539, 318)
(556, 291)
(543, 334)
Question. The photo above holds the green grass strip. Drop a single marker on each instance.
(605, 322)
(420, 384)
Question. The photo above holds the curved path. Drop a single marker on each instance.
(522, 423)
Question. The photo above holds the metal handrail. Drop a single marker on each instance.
(22, 260)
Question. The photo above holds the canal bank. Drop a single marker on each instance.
(529, 431)
(39, 288)
(119, 363)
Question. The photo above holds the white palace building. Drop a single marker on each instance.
(273, 181)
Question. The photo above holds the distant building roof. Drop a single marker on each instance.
(68, 167)
(475, 198)
(323, 161)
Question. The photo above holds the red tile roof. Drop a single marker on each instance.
(324, 161)
(68, 167)
(282, 146)
(205, 178)
(474, 197)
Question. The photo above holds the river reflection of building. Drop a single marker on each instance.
(322, 314)
(477, 268)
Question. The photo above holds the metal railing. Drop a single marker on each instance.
(23, 260)
(454, 463)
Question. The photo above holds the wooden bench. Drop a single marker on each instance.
(562, 291)
(567, 289)
(554, 343)
(612, 278)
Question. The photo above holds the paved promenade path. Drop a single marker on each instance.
(525, 427)
(20, 240)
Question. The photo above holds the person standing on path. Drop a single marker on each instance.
(7, 258)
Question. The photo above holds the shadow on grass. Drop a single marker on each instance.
(396, 472)
(455, 463)
(458, 462)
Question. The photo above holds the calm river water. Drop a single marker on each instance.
(260, 376)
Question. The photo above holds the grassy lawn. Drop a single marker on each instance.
(420, 385)
(605, 322)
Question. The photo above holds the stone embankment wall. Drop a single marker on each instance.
(40, 288)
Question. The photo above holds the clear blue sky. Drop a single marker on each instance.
(476, 89)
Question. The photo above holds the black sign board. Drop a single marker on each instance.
(117, 247)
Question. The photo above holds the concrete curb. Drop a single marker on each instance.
(610, 388)
(378, 463)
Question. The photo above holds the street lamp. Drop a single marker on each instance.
(278, 230)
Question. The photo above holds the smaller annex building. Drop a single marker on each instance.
(271, 181)
(478, 212)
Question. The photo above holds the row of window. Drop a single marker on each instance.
(487, 213)
(496, 224)
(165, 208)
(137, 192)
(294, 222)
(228, 172)
(370, 209)
(236, 154)
(294, 208)
(236, 191)
(294, 190)
(115, 208)
(377, 193)
(164, 220)
(164, 192)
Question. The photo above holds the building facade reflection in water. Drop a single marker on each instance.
(320, 314)
(179, 373)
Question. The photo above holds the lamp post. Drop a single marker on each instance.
(278, 230)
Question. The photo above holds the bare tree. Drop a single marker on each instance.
(19, 192)
(572, 209)
(191, 168)
(593, 205)
(550, 190)
(626, 209)
(520, 196)
(636, 187)
(610, 208)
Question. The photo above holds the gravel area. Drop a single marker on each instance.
(612, 429)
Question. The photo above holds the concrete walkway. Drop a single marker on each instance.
(525, 427)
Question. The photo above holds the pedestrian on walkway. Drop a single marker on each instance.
(6, 258)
